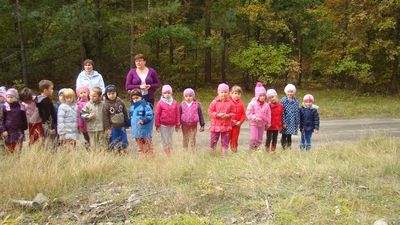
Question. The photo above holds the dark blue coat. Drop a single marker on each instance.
(309, 119)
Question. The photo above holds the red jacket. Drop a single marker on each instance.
(167, 115)
(276, 116)
(219, 124)
(240, 114)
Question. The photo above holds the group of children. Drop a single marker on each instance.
(102, 118)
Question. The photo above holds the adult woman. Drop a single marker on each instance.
(88, 77)
(144, 78)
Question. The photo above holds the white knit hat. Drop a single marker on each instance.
(290, 87)
(271, 93)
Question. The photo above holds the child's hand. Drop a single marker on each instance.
(201, 129)
(91, 116)
(52, 132)
(220, 115)
(80, 130)
(284, 126)
(4, 134)
(158, 129)
(108, 133)
(316, 131)
(176, 129)
(140, 122)
(237, 123)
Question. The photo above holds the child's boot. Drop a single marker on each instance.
(273, 148)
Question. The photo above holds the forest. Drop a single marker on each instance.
(345, 44)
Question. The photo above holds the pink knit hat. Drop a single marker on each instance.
(13, 92)
(308, 98)
(79, 89)
(259, 90)
(223, 87)
(188, 91)
(290, 87)
(166, 88)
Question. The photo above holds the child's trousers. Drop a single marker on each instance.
(256, 136)
(145, 147)
(224, 140)
(286, 141)
(118, 139)
(189, 135)
(306, 140)
(272, 136)
(234, 137)
(166, 137)
(36, 131)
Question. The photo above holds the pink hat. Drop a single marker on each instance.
(271, 93)
(223, 87)
(3, 91)
(308, 98)
(259, 90)
(166, 88)
(290, 87)
(82, 88)
(13, 92)
(188, 91)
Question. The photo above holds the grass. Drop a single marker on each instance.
(343, 184)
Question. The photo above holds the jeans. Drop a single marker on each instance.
(306, 140)
(118, 138)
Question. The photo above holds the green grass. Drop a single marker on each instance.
(342, 184)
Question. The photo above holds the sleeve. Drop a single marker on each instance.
(157, 115)
(61, 120)
(201, 117)
(177, 115)
(24, 121)
(2, 119)
(85, 111)
(156, 81)
(268, 116)
(78, 82)
(301, 119)
(297, 116)
(180, 112)
(242, 112)
(80, 119)
(128, 82)
(126, 117)
(106, 118)
(149, 115)
(212, 110)
(250, 113)
(53, 114)
(101, 84)
(316, 120)
(231, 110)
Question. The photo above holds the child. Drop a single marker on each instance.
(58, 102)
(238, 118)
(142, 119)
(83, 94)
(32, 114)
(191, 114)
(167, 118)
(115, 118)
(259, 115)
(221, 112)
(309, 121)
(276, 120)
(92, 112)
(13, 122)
(46, 109)
(2, 96)
(67, 118)
(291, 116)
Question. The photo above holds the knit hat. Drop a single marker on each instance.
(308, 98)
(290, 87)
(79, 89)
(110, 88)
(13, 92)
(271, 93)
(259, 90)
(136, 92)
(188, 91)
(60, 92)
(223, 87)
(3, 91)
(166, 88)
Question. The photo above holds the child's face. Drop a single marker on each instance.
(189, 98)
(236, 95)
(83, 94)
(136, 98)
(88, 67)
(274, 99)
(48, 91)
(11, 99)
(223, 95)
(262, 98)
(69, 99)
(290, 94)
(60, 97)
(94, 96)
(308, 104)
(112, 95)
(2, 99)
(166, 94)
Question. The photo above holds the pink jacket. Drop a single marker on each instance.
(82, 124)
(167, 115)
(240, 112)
(221, 124)
(258, 114)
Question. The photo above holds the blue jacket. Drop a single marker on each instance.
(141, 110)
(291, 115)
(309, 119)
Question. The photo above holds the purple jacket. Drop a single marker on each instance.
(191, 115)
(133, 81)
(14, 122)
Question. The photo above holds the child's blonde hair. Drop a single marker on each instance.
(68, 92)
(236, 89)
(97, 90)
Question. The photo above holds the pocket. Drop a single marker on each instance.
(117, 118)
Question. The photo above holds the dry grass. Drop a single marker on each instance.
(348, 184)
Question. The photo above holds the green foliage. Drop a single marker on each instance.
(264, 62)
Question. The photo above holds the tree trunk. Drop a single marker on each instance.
(21, 44)
(394, 87)
(300, 55)
(132, 39)
(171, 44)
(98, 37)
(223, 56)
(207, 53)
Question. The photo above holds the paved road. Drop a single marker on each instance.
(330, 131)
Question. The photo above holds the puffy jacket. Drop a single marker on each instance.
(258, 114)
(95, 124)
(191, 114)
(167, 115)
(276, 116)
(13, 120)
(218, 106)
(309, 119)
(291, 115)
(141, 110)
(95, 80)
(67, 118)
(239, 111)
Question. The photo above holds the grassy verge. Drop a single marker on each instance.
(348, 184)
